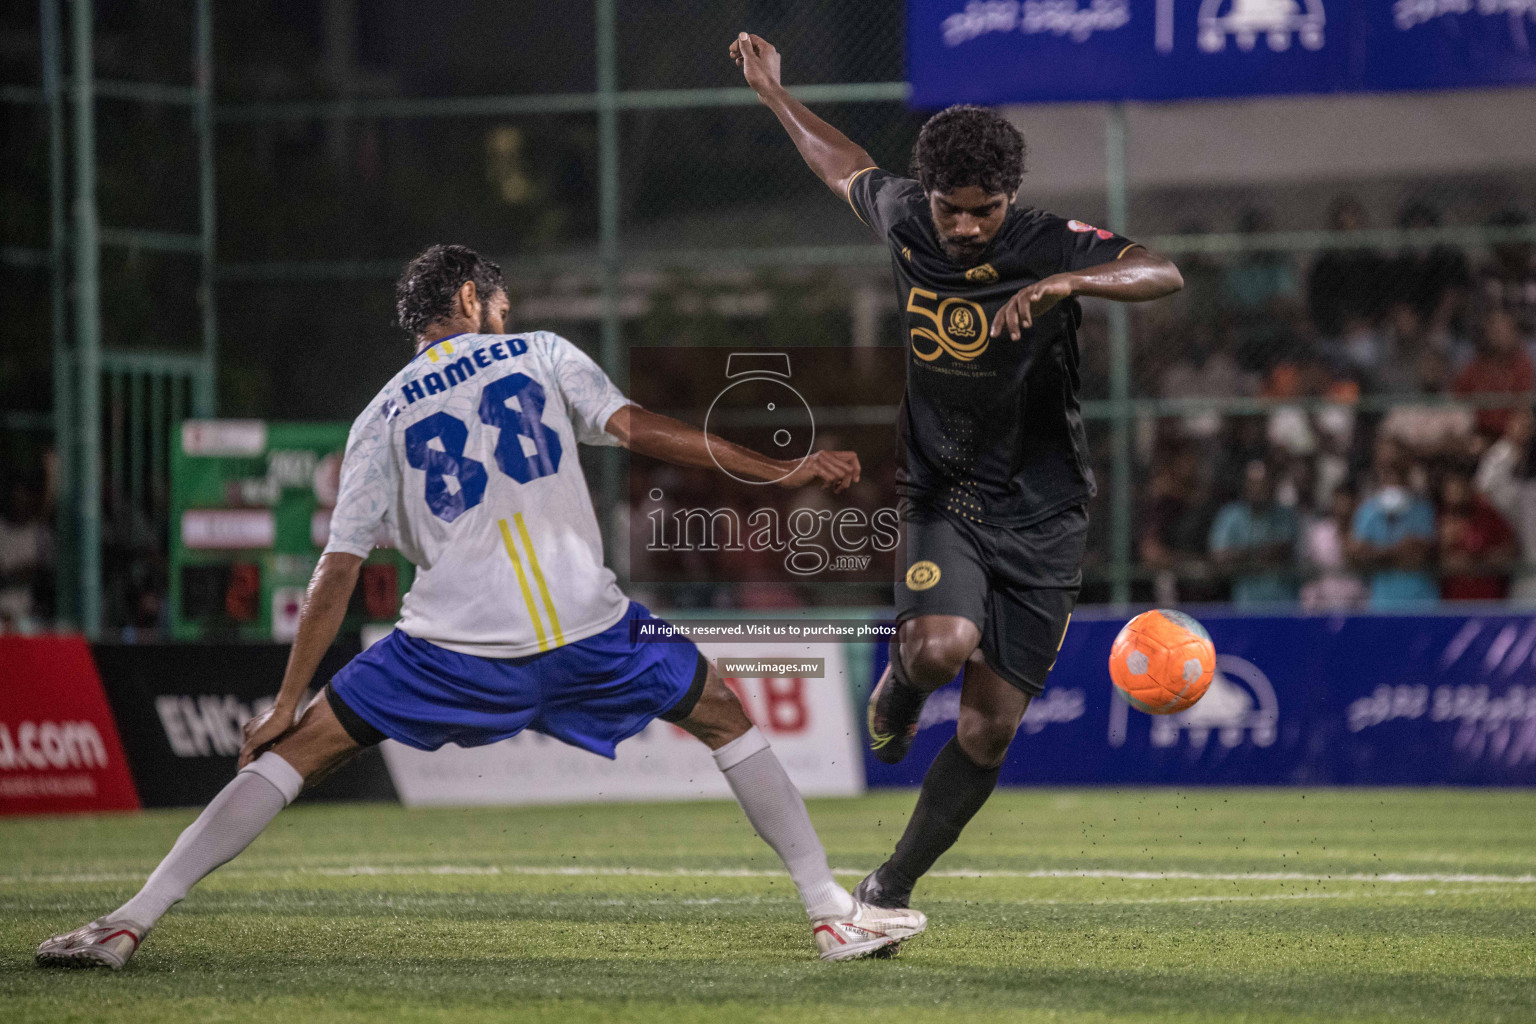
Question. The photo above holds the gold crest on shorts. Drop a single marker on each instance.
(922, 575)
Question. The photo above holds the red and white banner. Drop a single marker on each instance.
(808, 721)
(59, 749)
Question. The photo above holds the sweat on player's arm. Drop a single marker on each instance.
(1136, 276)
(662, 437)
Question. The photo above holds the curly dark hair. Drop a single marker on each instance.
(968, 145)
(424, 293)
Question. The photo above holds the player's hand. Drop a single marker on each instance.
(758, 60)
(1019, 312)
(263, 730)
(836, 471)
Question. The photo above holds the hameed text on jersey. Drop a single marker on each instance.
(992, 426)
(466, 461)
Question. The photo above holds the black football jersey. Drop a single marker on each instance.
(992, 427)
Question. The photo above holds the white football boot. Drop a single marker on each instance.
(866, 931)
(102, 943)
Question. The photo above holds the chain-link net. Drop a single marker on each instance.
(306, 191)
(729, 178)
(680, 45)
(24, 232)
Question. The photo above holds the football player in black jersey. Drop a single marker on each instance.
(996, 478)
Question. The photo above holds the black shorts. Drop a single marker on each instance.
(1017, 584)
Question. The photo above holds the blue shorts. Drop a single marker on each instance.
(592, 693)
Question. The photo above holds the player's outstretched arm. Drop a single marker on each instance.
(670, 440)
(829, 152)
(325, 605)
(1138, 276)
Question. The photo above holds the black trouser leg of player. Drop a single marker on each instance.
(953, 791)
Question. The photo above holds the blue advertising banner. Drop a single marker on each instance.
(1389, 700)
(1042, 51)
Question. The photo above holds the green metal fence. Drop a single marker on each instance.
(104, 402)
(126, 427)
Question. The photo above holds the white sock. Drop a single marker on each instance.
(777, 812)
(227, 825)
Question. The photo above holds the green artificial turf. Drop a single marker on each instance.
(1400, 905)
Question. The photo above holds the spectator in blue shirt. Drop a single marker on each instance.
(1394, 535)
(1254, 538)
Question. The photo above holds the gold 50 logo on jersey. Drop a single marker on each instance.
(923, 575)
(959, 326)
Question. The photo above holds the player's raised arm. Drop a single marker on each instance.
(670, 440)
(829, 152)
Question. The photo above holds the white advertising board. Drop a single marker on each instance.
(808, 721)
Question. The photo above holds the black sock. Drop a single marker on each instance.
(953, 791)
(905, 700)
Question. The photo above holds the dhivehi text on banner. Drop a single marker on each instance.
(1363, 700)
(1042, 51)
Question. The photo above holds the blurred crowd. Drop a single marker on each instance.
(1391, 465)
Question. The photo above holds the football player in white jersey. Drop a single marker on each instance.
(466, 462)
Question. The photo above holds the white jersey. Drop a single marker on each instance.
(467, 462)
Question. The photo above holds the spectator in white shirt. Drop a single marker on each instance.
(1501, 479)
(1325, 557)
(1431, 431)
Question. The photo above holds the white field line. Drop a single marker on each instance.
(1393, 878)
(419, 902)
(1245, 876)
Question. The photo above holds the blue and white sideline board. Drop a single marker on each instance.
(1045, 51)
